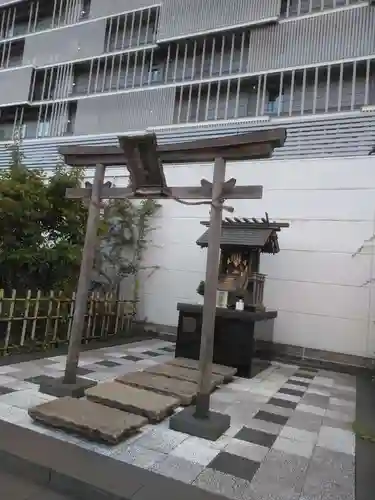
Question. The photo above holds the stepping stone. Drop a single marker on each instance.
(91, 420)
(153, 406)
(226, 371)
(181, 373)
(184, 391)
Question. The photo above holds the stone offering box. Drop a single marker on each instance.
(239, 335)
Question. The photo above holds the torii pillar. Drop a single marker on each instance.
(144, 159)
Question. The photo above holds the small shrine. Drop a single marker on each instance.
(242, 243)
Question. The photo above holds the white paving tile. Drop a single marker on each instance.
(337, 402)
(25, 399)
(12, 414)
(341, 416)
(196, 451)
(178, 469)
(4, 370)
(294, 447)
(299, 434)
(336, 439)
(319, 391)
(311, 409)
(162, 439)
(250, 451)
(140, 457)
(288, 397)
(299, 388)
(324, 381)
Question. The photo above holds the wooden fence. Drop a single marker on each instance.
(36, 321)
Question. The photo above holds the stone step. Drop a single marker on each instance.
(181, 373)
(226, 371)
(91, 420)
(184, 391)
(142, 402)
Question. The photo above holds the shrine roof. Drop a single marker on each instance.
(251, 233)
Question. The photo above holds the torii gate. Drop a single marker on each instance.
(144, 159)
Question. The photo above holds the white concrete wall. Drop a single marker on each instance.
(315, 283)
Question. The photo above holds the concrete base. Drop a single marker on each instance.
(209, 428)
(56, 387)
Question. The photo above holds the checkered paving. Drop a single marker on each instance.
(290, 436)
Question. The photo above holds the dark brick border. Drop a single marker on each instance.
(365, 450)
(68, 469)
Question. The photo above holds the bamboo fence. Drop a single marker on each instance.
(36, 321)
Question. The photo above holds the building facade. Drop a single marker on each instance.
(90, 69)
(85, 71)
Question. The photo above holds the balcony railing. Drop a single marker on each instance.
(292, 8)
(40, 15)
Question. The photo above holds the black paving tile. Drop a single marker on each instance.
(6, 390)
(83, 371)
(271, 417)
(292, 392)
(256, 437)
(40, 379)
(303, 374)
(131, 358)
(282, 403)
(297, 382)
(235, 466)
(168, 349)
(108, 364)
(152, 354)
(309, 370)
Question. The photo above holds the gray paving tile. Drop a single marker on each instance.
(224, 484)
(331, 422)
(235, 465)
(315, 400)
(162, 440)
(178, 469)
(281, 472)
(330, 476)
(305, 421)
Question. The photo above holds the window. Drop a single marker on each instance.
(275, 102)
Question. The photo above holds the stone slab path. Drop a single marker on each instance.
(290, 436)
(91, 420)
(155, 407)
(181, 373)
(225, 371)
(181, 389)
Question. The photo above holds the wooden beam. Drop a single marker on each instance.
(276, 137)
(233, 153)
(237, 147)
(185, 193)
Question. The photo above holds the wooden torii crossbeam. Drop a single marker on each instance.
(144, 159)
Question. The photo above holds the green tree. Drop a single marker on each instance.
(41, 232)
